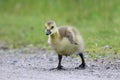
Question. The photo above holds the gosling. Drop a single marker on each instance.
(65, 41)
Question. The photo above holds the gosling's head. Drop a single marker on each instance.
(50, 28)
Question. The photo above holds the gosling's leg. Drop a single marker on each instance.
(83, 64)
(59, 67)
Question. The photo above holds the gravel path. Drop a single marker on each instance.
(35, 64)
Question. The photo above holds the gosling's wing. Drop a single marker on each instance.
(62, 31)
(69, 33)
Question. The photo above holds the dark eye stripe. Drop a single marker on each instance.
(52, 27)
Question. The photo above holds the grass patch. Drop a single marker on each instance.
(22, 22)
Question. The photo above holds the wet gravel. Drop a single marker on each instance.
(35, 64)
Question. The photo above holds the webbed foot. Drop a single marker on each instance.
(58, 68)
(82, 66)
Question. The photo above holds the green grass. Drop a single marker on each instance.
(22, 22)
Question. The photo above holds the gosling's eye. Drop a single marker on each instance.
(52, 27)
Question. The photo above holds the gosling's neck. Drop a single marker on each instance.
(54, 38)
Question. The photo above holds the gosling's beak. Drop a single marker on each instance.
(48, 32)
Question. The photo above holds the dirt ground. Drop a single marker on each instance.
(35, 64)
